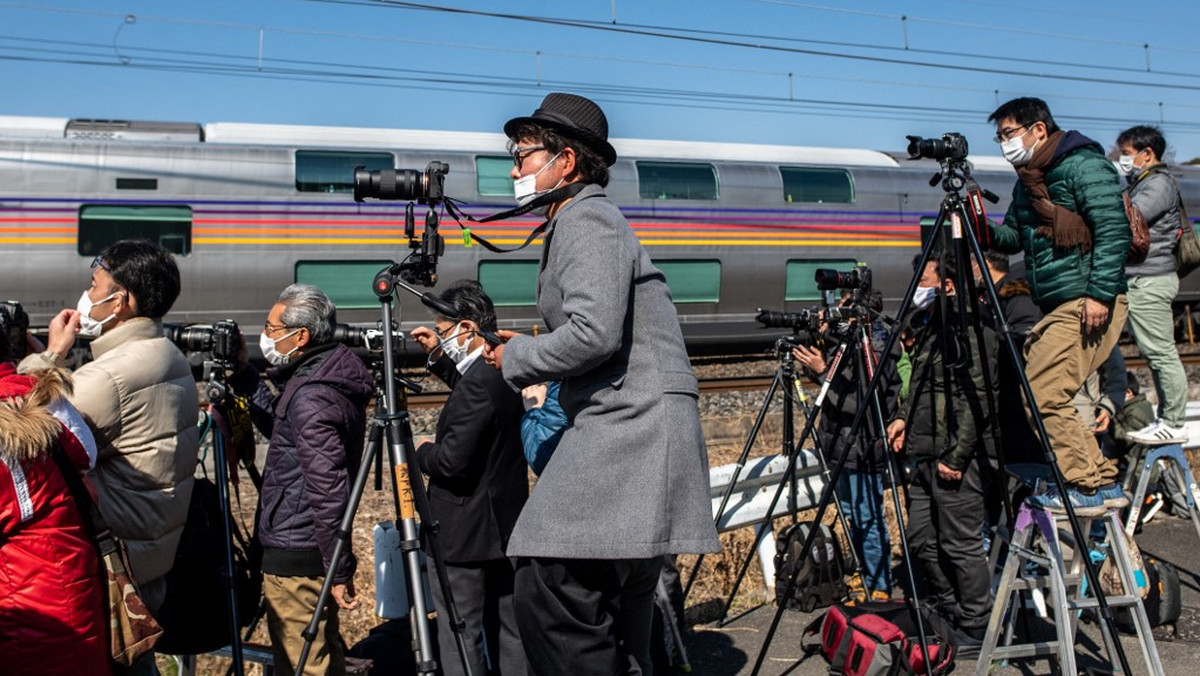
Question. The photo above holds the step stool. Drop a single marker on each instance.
(1036, 562)
(1174, 460)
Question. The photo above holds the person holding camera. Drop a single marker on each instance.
(140, 401)
(477, 485)
(859, 488)
(944, 427)
(53, 621)
(317, 426)
(628, 482)
(1068, 217)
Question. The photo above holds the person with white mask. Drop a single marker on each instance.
(628, 482)
(316, 426)
(1068, 217)
(1153, 283)
(140, 401)
(478, 483)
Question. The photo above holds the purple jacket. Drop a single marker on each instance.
(317, 428)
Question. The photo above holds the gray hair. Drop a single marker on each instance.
(306, 306)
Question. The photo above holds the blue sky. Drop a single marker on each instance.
(761, 71)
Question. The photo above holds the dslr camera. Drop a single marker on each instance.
(855, 279)
(369, 339)
(221, 339)
(14, 327)
(426, 187)
(951, 146)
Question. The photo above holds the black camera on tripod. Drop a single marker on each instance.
(951, 146)
(426, 187)
(855, 279)
(370, 339)
(221, 339)
(14, 327)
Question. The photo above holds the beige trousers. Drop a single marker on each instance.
(1059, 356)
(290, 604)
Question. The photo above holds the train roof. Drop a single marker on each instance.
(410, 139)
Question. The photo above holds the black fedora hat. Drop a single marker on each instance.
(572, 116)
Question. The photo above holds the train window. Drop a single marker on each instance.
(492, 176)
(813, 184)
(347, 283)
(801, 284)
(333, 170)
(692, 281)
(509, 283)
(103, 224)
(676, 181)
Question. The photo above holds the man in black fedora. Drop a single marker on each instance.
(628, 482)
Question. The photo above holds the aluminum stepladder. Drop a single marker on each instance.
(1173, 459)
(1043, 559)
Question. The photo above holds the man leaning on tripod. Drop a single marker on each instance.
(316, 426)
(1068, 217)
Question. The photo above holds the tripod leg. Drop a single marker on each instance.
(222, 472)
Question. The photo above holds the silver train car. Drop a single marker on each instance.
(250, 208)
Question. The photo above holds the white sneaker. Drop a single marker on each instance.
(1158, 433)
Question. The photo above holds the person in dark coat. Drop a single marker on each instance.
(945, 429)
(628, 483)
(316, 428)
(478, 484)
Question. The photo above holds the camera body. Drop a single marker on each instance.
(426, 187)
(14, 327)
(221, 339)
(951, 146)
(855, 279)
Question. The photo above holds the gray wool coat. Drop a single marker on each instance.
(630, 477)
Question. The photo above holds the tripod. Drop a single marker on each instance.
(784, 381)
(391, 423)
(857, 338)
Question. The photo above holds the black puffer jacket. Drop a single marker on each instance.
(317, 426)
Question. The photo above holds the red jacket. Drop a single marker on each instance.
(52, 613)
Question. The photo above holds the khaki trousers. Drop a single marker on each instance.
(290, 604)
(1059, 356)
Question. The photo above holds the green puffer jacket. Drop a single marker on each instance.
(1081, 179)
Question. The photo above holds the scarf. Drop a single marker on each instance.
(1055, 222)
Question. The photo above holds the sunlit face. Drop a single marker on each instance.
(274, 328)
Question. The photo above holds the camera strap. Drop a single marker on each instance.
(556, 195)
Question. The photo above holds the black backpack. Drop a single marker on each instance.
(821, 579)
(1163, 604)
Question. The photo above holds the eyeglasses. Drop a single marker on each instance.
(98, 262)
(268, 327)
(442, 332)
(519, 154)
(1007, 134)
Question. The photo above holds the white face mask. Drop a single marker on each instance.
(923, 297)
(452, 349)
(1125, 162)
(88, 327)
(273, 355)
(525, 188)
(1015, 151)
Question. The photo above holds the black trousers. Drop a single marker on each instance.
(586, 617)
(945, 535)
(483, 594)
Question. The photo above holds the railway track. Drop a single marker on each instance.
(747, 383)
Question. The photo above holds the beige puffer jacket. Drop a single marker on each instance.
(140, 400)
